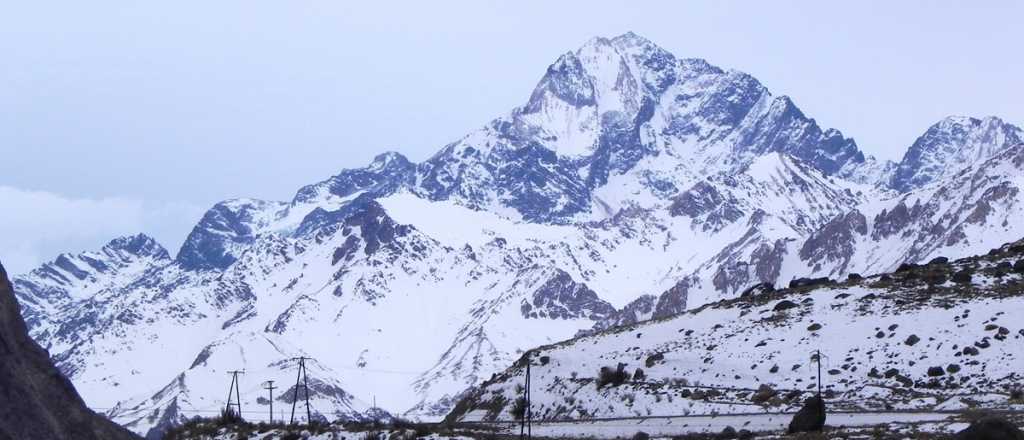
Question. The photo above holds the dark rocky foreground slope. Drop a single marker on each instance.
(36, 400)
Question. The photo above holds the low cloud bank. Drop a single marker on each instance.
(36, 226)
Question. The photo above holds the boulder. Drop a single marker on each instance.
(939, 260)
(810, 418)
(729, 433)
(764, 394)
(963, 277)
(935, 278)
(904, 380)
(990, 428)
(654, 359)
(640, 435)
(905, 267)
(808, 282)
(784, 305)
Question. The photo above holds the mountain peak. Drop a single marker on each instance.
(139, 244)
(388, 160)
(963, 120)
(950, 145)
(631, 39)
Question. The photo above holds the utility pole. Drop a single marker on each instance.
(817, 357)
(233, 389)
(270, 388)
(301, 379)
(529, 403)
(305, 386)
(526, 424)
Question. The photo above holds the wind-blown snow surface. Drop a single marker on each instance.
(922, 338)
(631, 184)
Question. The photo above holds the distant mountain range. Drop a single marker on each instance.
(630, 185)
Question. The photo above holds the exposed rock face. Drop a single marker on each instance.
(71, 277)
(387, 172)
(835, 241)
(640, 309)
(951, 145)
(703, 201)
(36, 401)
(562, 298)
(227, 227)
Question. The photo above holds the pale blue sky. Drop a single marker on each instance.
(177, 105)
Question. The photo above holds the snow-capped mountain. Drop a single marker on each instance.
(70, 279)
(631, 184)
(621, 122)
(950, 145)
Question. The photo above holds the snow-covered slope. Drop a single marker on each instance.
(70, 279)
(935, 336)
(631, 184)
(963, 214)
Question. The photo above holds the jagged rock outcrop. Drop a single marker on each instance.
(36, 400)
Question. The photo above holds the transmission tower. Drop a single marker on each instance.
(301, 379)
(233, 390)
